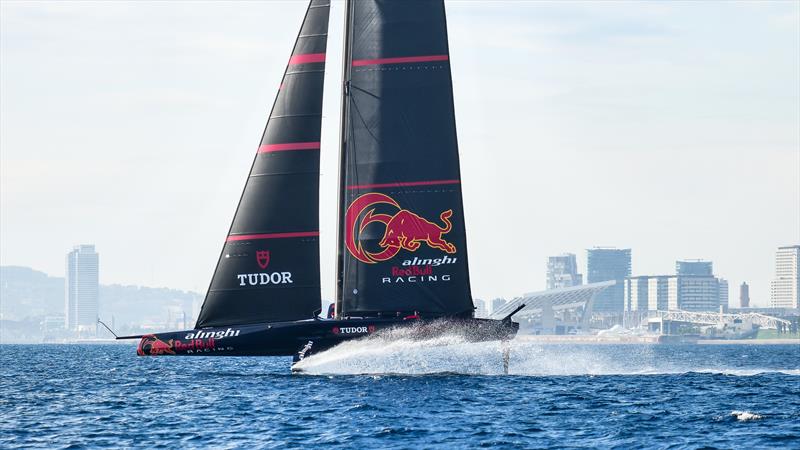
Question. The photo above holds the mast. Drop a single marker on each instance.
(268, 269)
(343, 144)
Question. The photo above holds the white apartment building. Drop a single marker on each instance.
(785, 287)
(82, 290)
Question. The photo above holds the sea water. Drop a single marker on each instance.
(398, 393)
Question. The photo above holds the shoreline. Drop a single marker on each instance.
(653, 339)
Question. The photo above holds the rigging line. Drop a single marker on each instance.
(107, 328)
(352, 86)
(363, 121)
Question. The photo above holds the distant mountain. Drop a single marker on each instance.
(28, 295)
(25, 292)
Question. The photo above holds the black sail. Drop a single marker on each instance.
(269, 267)
(402, 239)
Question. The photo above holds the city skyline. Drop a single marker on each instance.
(702, 265)
(681, 107)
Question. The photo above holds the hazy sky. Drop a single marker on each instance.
(671, 128)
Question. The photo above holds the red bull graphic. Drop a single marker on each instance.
(152, 345)
(404, 229)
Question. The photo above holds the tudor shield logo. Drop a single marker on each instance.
(403, 230)
(262, 258)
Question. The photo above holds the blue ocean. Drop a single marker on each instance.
(403, 394)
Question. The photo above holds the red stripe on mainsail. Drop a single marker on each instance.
(400, 60)
(410, 183)
(248, 237)
(266, 148)
(307, 58)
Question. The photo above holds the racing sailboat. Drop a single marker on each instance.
(402, 251)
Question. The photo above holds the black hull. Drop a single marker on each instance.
(302, 338)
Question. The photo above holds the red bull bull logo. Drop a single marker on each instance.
(152, 345)
(404, 229)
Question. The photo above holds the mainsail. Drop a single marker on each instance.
(269, 267)
(402, 244)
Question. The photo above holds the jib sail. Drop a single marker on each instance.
(402, 239)
(269, 266)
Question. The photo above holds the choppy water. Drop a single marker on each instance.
(402, 394)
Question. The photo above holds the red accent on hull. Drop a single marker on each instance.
(400, 60)
(267, 148)
(307, 58)
(247, 237)
(410, 183)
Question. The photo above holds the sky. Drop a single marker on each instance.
(670, 128)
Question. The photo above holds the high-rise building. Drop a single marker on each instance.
(694, 267)
(723, 292)
(785, 287)
(744, 296)
(82, 289)
(604, 264)
(562, 271)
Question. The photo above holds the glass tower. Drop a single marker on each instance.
(604, 264)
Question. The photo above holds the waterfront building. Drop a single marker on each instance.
(657, 293)
(648, 293)
(697, 293)
(785, 288)
(694, 267)
(744, 296)
(693, 288)
(496, 304)
(82, 289)
(673, 302)
(562, 271)
(636, 293)
(605, 264)
(480, 308)
(723, 293)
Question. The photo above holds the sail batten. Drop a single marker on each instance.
(268, 270)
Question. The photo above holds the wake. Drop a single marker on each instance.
(397, 353)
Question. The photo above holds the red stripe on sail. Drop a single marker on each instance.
(266, 148)
(410, 183)
(248, 237)
(307, 58)
(400, 60)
